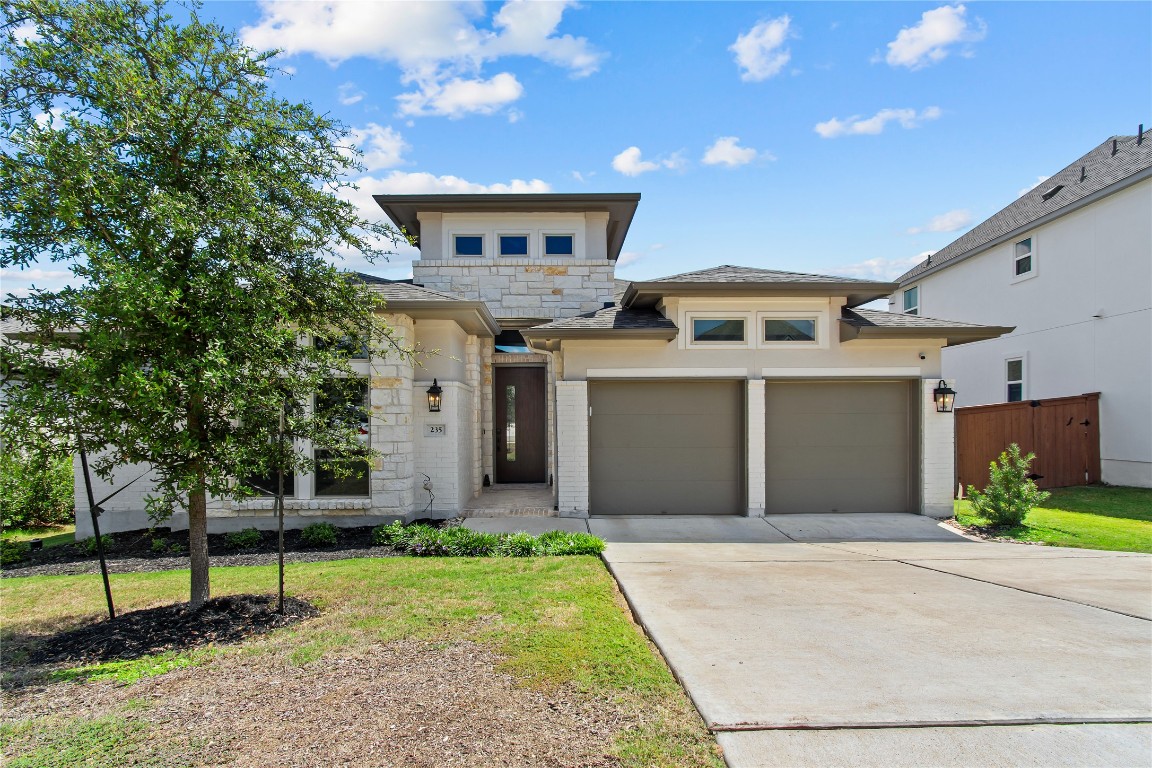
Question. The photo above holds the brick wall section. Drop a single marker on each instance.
(937, 455)
(391, 425)
(546, 288)
(572, 431)
(755, 450)
(446, 459)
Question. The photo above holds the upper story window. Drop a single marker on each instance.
(912, 300)
(513, 245)
(790, 330)
(1023, 258)
(708, 330)
(559, 245)
(468, 245)
(1015, 379)
(353, 349)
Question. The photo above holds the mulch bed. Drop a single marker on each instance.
(133, 552)
(171, 628)
(988, 533)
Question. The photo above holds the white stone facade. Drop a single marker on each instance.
(522, 288)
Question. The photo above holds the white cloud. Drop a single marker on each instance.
(879, 268)
(727, 151)
(760, 52)
(629, 162)
(403, 183)
(382, 147)
(349, 94)
(628, 257)
(45, 119)
(440, 47)
(1039, 180)
(951, 221)
(458, 97)
(929, 41)
(26, 32)
(288, 70)
(856, 125)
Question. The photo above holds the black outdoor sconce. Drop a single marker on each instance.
(436, 396)
(944, 397)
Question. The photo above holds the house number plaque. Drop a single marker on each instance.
(435, 430)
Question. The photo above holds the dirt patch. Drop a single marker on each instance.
(176, 627)
(404, 703)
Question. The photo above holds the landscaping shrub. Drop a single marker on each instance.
(319, 535)
(35, 489)
(1010, 494)
(519, 545)
(457, 541)
(90, 547)
(245, 539)
(566, 543)
(12, 552)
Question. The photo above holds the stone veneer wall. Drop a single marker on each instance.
(391, 425)
(512, 288)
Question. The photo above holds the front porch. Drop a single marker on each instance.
(512, 500)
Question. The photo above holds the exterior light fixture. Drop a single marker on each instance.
(436, 396)
(943, 395)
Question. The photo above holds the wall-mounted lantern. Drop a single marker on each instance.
(436, 396)
(944, 397)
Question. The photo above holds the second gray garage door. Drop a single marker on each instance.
(666, 447)
(841, 446)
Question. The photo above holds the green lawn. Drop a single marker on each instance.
(53, 537)
(558, 622)
(1089, 517)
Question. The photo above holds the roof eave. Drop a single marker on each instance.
(549, 339)
(472, 316)
(649, 294)
(1072, 207)
(952, 336)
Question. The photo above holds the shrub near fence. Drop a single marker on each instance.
(35, 489)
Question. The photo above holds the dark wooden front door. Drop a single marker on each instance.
(519, 425)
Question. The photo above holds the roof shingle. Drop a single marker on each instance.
(728, 273)
(612, 318)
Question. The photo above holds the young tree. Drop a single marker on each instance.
(200, 215)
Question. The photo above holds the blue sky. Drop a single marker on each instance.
(841, 138)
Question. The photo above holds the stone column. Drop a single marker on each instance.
(572, 430)
(392, 433)
(937, 454)
(472, 374)
(487, 348)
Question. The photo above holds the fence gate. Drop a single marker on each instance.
(1063, 432)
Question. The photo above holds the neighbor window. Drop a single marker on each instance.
(912, 301)
(707, 330)
(790, 329)
(468, 245)
(559, 245)
(1015, 377)
(513, 245)
(1023, 257)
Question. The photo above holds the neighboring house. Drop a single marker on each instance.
(732, 390)
(1069, 264)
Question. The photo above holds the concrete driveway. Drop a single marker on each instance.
(889, 640)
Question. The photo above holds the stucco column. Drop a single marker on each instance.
(937, 454)
(392, 433)
(754, 452)
(572, 439)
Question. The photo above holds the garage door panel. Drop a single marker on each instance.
(666, 447)
(837, 447)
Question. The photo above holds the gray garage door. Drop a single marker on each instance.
(667, 447)
(838, 447)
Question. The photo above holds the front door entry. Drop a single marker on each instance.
(519, 425)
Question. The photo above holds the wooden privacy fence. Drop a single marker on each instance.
(1063, 432)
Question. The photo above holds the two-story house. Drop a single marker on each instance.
(1069, 265)
(727, 391)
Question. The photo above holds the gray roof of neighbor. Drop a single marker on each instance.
(1101, 169)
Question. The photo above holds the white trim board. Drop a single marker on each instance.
(667, 373)
(839, 373)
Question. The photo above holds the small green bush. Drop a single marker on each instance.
(36, 489)
(1010, 494)
(159, 545)
(90, 546)
(566, 543)
(12, 552)
(424, 540)
(319, 535)
(245, 539)
(519, 545)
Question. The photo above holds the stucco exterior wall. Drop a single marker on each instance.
(1083, 322)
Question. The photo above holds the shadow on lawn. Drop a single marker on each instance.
(134, 635)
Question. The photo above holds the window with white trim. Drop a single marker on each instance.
(468, 246)
(1023, 258)
(1014, 374)
(718, 330)
(912, 300)
(559, 245)
(513, 245)
(789, 330)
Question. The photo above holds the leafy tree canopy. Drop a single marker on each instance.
(200, 215)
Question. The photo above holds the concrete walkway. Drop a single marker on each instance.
(890, 640)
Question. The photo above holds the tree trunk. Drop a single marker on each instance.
(198, 543)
